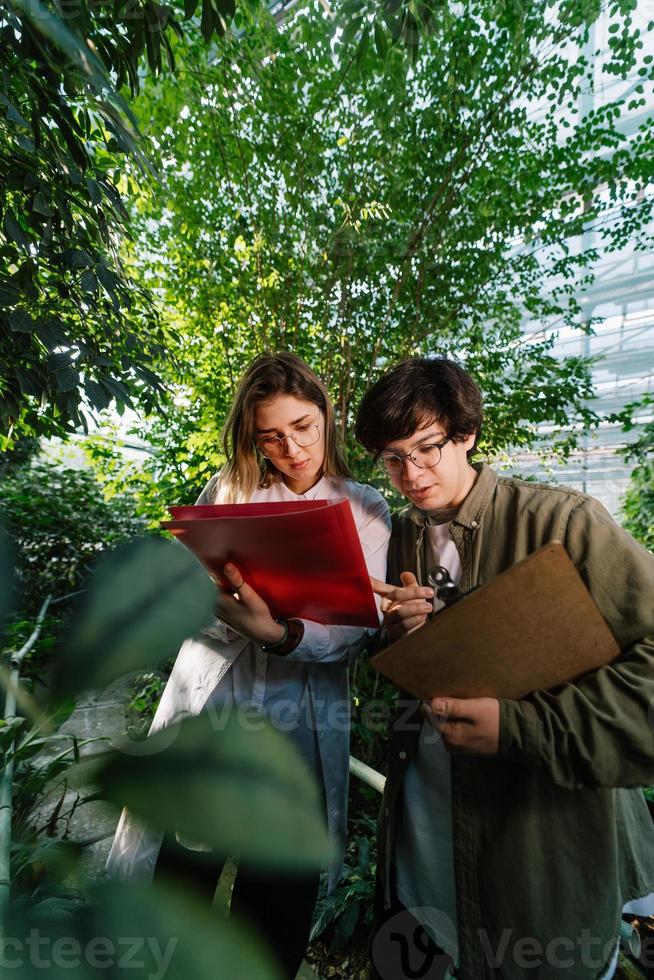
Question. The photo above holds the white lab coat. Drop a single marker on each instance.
(317, 669)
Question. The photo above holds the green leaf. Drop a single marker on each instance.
(27, 382)
(107, 277)
(25, 143)
(326, 917)
(345, 926)
(8, 732)
(96, 394)
(50, 333)
(131, 929)
(381, 40)
(20, 321)
(207, 19)
(13, 115)
(190, 6)
(88, 281)
(142, 601)
(95, 194)
(363, 46)
(67, 379)
(117, 388)
(351, 29)
(41, 206)
(15, 231)
(9, 296)
(227, 8)
(228, 779)
(79, 52)
(77, 258)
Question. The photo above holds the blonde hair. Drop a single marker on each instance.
(269, 375)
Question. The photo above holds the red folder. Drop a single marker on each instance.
(304, 559)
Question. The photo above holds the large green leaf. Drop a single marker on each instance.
(227, 779)
(142, 601)
(132, 930)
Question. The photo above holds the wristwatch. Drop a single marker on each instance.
(293, 633)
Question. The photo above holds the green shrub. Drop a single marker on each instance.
(349, 907)
(60, 523)
(638, 505)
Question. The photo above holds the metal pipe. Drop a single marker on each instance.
(367, 775)
(7, 778)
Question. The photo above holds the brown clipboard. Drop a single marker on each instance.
(533, 627)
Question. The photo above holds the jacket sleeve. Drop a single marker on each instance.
(598, 730)
(341, 644)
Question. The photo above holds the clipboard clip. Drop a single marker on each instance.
(446, 590)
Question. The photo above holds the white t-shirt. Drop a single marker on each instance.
(424, 853)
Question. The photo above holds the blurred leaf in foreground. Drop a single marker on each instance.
(135, 930)
(143, 600)
(226, 779)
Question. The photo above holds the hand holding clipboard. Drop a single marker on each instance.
(533, 627)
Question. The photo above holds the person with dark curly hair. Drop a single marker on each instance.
(513, 833)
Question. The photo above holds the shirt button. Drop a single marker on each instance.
(402, 754)
(474, 523)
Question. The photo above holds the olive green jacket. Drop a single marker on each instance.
(551, 836)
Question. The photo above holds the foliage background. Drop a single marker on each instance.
(638, 505)
(327, 195)
(359, 185)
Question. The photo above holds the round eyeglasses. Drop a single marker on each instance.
(303, 436)
(425, 457)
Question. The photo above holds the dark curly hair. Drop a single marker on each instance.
(418, 391)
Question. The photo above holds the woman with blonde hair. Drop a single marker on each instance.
(281, 444)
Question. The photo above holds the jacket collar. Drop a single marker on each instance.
(474, 506)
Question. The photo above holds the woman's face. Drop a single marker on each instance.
(298, 460)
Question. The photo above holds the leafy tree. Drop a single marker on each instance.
(327, 196)
(77, 329)
(638, 503)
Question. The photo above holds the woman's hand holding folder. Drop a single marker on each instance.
(245, 611)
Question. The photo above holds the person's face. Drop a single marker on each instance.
(299, 460)
(438, 487)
